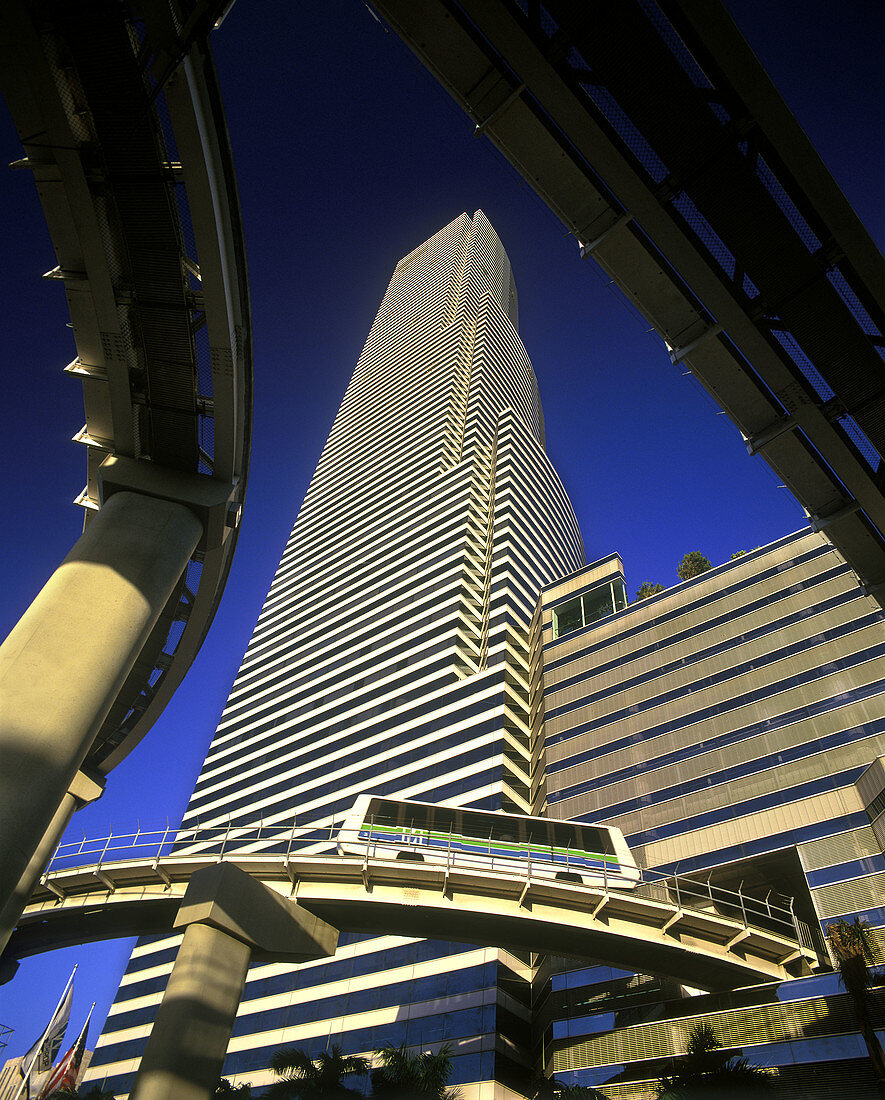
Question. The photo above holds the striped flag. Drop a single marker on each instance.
(37, 1063)
(65, 1074)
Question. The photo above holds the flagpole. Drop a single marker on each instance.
(39, 1047)
(73, 1059)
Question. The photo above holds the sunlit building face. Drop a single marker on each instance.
(392, 656)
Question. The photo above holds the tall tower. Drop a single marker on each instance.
(391, 656)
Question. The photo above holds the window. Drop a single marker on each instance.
(589, 607)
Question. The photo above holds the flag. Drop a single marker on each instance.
(37, 1063)
(67, 1071)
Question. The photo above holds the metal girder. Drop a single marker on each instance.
(667, 153)
(118, 110)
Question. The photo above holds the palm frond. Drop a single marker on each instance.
(292, 1062)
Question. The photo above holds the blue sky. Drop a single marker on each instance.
(349, 155)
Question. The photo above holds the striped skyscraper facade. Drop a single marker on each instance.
(391, 656)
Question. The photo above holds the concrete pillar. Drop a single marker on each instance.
(227, 915)
(82, 791)
(186, 1048)
(67, 658)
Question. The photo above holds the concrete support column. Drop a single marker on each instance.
(67, 658)
(186, 1048)
(82, 791)
(227, 915)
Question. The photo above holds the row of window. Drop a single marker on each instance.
(411, 993)
(719, 594)
(277, 700)
(467, 1023)
(283, 628)
(771, 843)
(704, 653)
(824, 1048)
(763, 692)
(466, 1068)
(388, 958)
(842, 872)
(321, 799)
(725, 622)
(754, 805)
(721, 775)
(279, 732)
(296, 768)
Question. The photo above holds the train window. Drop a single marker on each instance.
(399, 829)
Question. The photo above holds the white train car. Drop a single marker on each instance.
(396, 828)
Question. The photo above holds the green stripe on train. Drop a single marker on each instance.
(476, 843)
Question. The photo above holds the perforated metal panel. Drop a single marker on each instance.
(847, 897)
(838, 849)
(765, 1024)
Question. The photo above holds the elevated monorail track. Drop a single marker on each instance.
(120, 118)
(121, 122)
(705, 937)
(654, 134)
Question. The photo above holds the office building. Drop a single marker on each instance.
(391, 656)
(733, 727)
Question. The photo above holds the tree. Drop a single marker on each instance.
(546, 1088)
(706, 1072)
(406, 1076)
(316, 1078)
(93, 1092)
(225, 1090)
(854, 948)
(692, 565)
(646, 589)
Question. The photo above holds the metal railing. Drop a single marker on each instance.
(525, 863)
(216, 840)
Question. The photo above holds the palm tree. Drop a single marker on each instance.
(406, 1076)
(706, 1072)
(225, 1090)
(547, 1088)
(854, 948)
(316, 1078)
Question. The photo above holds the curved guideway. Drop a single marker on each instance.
(121, 123)
(656, 928)
(632, 125)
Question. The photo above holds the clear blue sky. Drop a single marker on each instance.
(349, 155)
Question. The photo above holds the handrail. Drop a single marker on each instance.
(287, 842)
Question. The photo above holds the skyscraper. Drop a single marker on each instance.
(391, 656)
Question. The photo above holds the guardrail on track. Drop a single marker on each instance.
(773, 912)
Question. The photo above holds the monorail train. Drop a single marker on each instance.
(569, 850)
